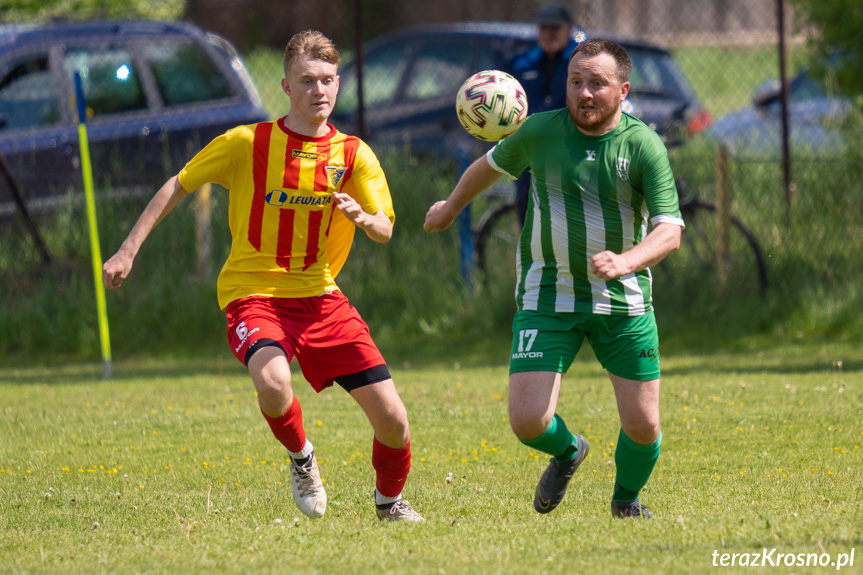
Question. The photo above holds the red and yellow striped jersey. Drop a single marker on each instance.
(288, 238)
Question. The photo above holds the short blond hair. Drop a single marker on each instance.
(312, 44)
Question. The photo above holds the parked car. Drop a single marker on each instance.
(814, 114)
(155, 93)
(410, 78)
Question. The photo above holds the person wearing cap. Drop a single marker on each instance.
(541, 71)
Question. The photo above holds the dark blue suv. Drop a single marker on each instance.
(155, 94)
(411, 77)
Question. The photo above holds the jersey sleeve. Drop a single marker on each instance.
(216, 162)
(657, 183)
(509, 156)
(367, 184)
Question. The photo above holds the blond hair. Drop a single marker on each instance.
(311, 44)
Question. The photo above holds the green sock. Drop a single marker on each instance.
(634, 465)
(556, 441)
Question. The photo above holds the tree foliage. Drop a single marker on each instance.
(41, 11)
(838, 42)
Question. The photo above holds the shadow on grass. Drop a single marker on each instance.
(778, 358)
(448, 351)
(79, 372)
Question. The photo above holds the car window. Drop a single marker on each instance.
(109, 78)
(382, 73)
(184, 73)
(489, 57)
(28, 95)
(439, 69)
(808, 87)
(652, 73)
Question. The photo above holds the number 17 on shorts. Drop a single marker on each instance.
(526, 337)
(535, 348)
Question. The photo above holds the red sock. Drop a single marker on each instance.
(289, 427)
(392, 466)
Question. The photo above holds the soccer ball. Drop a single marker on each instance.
(491, 105)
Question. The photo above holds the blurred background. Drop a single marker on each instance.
(769, 171)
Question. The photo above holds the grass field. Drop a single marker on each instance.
(170, 468)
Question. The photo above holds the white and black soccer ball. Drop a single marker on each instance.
(491, 105)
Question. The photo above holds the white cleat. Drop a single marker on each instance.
(307, 488)
(401, 510)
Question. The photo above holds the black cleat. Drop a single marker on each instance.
(631, 509)
(552, 485)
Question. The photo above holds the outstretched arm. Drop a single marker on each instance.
(663, 239)
(117, 268)
(477, 178)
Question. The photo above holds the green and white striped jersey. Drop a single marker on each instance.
(588, 194)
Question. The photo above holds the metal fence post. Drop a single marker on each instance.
(22, 209)
(783, 102)
(723, 217)
(465, 228)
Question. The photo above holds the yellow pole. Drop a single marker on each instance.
(95, 252)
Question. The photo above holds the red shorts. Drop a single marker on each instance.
(325, 333)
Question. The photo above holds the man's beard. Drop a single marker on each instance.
(597, 120)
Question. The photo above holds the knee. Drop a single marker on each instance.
(274, 392)
(527, 426)
(393, 430)
(642, 431)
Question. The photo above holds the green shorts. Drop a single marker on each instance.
(626, 346)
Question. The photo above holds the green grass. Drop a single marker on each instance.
(170, 468)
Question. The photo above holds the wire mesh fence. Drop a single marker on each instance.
(705, 74)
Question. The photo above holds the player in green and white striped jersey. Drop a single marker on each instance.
(587, 191)
(598, 177)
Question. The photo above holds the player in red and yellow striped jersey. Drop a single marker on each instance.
(283, 214)
(298, 190)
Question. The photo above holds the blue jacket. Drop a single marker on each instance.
(529, 70)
